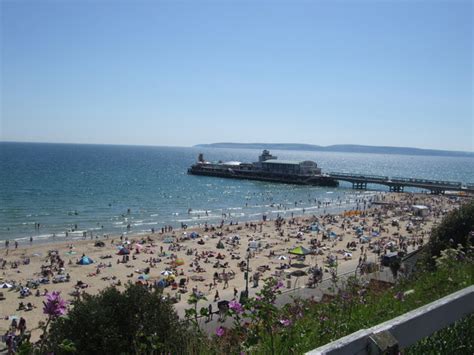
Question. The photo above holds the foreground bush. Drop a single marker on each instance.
(457, 228)
(113, 322)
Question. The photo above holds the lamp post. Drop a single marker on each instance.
(244, 295)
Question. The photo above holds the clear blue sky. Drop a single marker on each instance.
(179, 73)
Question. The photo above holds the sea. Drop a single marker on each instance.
(72, 189)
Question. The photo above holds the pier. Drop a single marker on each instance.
(397, 184)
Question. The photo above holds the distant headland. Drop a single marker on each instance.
(344, 148)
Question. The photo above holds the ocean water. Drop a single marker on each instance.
(90, 188)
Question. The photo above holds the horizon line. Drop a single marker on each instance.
(194, 145)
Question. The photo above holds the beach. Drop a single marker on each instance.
(211, 259)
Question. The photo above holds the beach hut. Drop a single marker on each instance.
(300, 251)
(166, 273)
(282, 257)
(5, 285)
(85, 260)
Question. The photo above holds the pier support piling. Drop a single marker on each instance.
(359, 185)
(396, 188)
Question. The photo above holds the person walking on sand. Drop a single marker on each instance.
(216, 296)
(226, 280)
(210, 314)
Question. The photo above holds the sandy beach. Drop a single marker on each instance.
(212, 259)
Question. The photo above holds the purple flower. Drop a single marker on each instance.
(278, 286)
(258, 298)
(400, 296)
(285, 322)
(220, 331)
(345, 296)
(236, 307)
(54, 306)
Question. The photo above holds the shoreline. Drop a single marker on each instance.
(75, 236)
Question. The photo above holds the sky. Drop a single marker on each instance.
(179, 73)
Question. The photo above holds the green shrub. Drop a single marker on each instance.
(457, 228)
(114, 322)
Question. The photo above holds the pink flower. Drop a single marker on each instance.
(285, 322)
(236, 307)
(54, 306)
(258, 298)
(220, 331)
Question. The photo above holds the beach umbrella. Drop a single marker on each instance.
(5, 285)
(300, 251)
(299, 265)
(282, 257)
(179, 262)
(85, 260)
(194, 235)
(166, 273)
(160, 284)
(298, 273)
(123, 251)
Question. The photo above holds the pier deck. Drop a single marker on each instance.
(397, 184)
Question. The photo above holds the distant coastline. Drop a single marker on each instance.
(342, 148)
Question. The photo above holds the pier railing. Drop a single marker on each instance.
(397, 183)
(398, 333)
